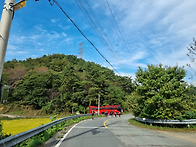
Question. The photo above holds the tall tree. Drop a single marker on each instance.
(161, 92)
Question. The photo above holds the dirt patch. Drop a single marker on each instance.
(11, 116)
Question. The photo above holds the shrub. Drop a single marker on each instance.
(190, 115)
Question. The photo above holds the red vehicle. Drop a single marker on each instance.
(108, 108)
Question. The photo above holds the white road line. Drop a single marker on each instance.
(59, 143)
(80, 127)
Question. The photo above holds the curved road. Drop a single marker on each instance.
(117, 132)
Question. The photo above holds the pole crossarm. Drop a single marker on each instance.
(20, 5)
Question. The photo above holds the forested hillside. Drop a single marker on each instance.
(63, 83)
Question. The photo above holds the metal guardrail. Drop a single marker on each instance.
(18, 138)
(174, 122)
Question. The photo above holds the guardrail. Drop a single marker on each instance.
(15, 139)
(173, 122)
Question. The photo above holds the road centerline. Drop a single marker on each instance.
(105, 122)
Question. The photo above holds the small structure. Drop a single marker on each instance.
(4, 93)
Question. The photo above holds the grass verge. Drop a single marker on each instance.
(162, 128)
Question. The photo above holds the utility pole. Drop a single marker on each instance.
(98, 103)
(81, 48)
(5, 25)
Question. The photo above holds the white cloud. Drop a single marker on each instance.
(66, 27)
(11, 53)
(131, 60)
(64, 34)
(12, 47)
(181, 19)
(53, 20)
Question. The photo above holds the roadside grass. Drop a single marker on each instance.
(163, 128)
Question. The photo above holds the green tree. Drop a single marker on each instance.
(161, 92)
(130, 102)
(36, 88)
(115, 95)
(191, 103)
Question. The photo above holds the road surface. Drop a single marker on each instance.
(117, 132)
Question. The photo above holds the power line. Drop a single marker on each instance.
(99, 24)
(54, 1)
(121, 36)
(117, 26)
(95, 24)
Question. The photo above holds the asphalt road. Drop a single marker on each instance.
(91, 133)
(117, 132)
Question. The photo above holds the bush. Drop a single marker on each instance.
(190, 115)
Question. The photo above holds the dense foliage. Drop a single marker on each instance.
(60, 83)
(162, 93)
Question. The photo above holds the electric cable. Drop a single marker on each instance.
(120, 34)
(84, 8)
(117, 26)
(54, 1)
(99, 24)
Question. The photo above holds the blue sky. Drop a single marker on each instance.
(153, 32)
